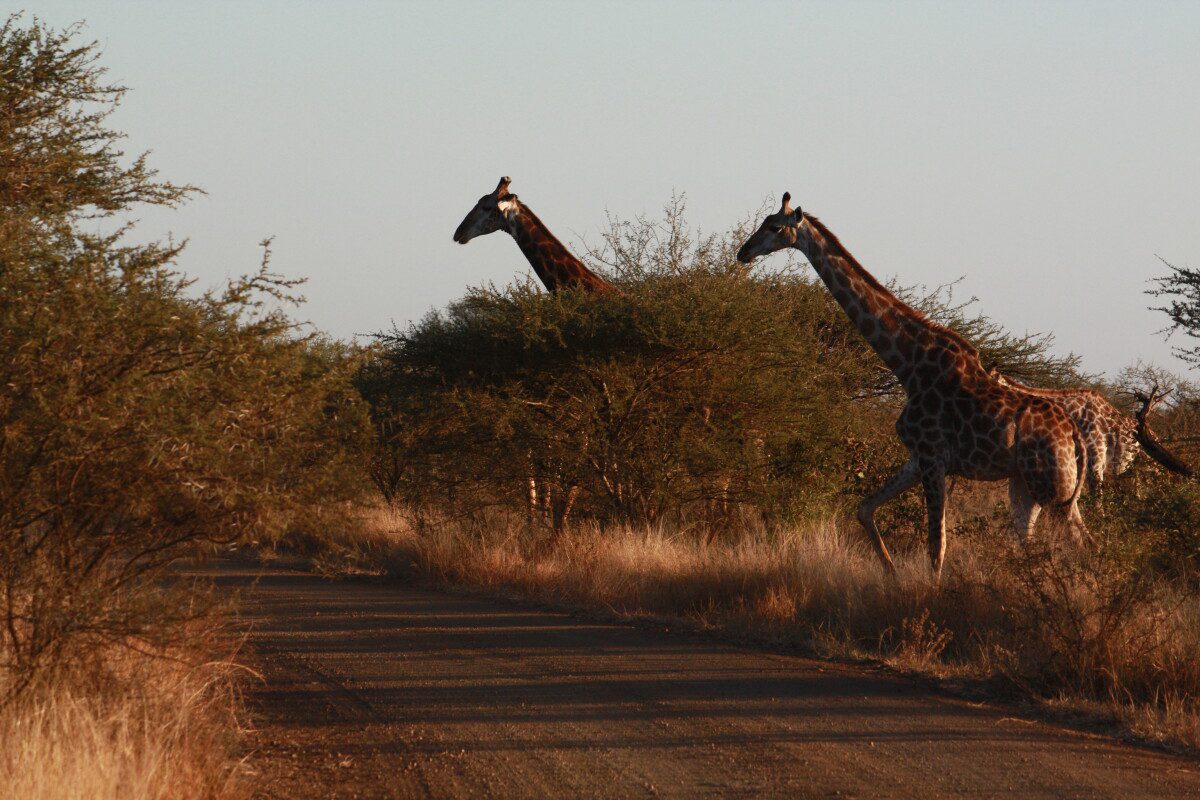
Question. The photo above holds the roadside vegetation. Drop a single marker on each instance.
(691, 448)
(142, 422)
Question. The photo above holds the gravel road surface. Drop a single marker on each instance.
(377, 690)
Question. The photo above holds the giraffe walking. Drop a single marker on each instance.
(959, 419)
(556, 267)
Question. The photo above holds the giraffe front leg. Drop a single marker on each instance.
(905, 479)
(933, 480)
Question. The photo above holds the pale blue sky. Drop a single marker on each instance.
(1045, 151)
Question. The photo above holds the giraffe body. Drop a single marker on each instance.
(959, 419)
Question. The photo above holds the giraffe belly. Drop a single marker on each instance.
(975, 472)
(983, 453)
(958, 436)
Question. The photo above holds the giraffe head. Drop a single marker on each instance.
(778, 230)
(489, 213)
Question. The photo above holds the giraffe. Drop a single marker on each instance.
(959, 420)
(556, 267)
(554, 264)
(1112, 438)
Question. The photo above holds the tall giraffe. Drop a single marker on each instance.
(556, 267)
(1112, 438)
(959, 419)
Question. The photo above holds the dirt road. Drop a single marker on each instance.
(384, 691)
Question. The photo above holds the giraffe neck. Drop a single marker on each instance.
(900, 334)
(555, 265)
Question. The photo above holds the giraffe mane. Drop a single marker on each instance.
(549, 234)
(917, 314)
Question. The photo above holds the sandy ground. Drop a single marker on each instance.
(384, 691)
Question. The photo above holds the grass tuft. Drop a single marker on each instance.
(144, 728)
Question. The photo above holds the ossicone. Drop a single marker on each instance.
(786, 207)
(502, 186)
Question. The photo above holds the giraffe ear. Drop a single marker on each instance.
(502, 186)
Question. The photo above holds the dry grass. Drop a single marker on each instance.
(1075, 630)
(141, 728)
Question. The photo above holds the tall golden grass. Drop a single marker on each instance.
(1070, 628)
(137, 727)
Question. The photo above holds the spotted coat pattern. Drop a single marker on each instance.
(959, 420)
(1110, 437)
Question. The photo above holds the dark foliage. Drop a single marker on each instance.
(139, 421)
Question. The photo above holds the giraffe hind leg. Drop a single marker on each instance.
(1097, 456)
(1097, 461)
(1024, 510)
(908, 476)
(1049, 479)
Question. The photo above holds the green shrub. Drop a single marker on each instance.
(1150, 505)
(139, 421)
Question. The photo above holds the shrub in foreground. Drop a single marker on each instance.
(141, 728)
(140, 421)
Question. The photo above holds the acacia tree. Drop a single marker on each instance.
(60, 161)
(1181, 288)
(139, 420)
